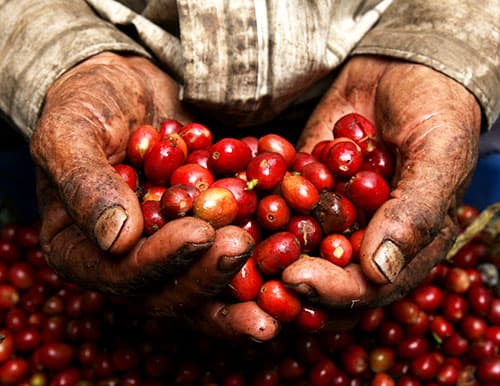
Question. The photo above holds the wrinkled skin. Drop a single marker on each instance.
(92, 222)
(434, 124)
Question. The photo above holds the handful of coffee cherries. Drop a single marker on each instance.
(294, 204)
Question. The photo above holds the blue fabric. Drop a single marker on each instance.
(17, 185)
(484, 188)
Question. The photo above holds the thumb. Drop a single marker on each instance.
(434, 167)
(84, 127)
(94, 195)
(434, 124)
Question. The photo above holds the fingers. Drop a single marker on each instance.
(312, 277)
(66, 248)
(341, 291)
(189, 297)
(206, 277)
(151, 262)
(81, 261)
(237, 321)
(351, 289)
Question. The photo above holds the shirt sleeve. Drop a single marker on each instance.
(40, 40)
(457, 38)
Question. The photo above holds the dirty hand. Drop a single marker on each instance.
(433, 123)
(92, 222)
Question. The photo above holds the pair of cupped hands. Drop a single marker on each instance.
(92, 222)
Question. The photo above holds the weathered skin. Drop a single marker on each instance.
(434, 124)
(92, 223)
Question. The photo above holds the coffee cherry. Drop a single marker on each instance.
(273, 212)
(300, 193)
(153, 217)
(335, 212)
(177, 200)
(279, 301)
(276, 252)
(368, 190)
(275, 143)
(307, 230)
(129, 175)
(192, 174)
(196, 136)
(245, 197)
(169, 126)
(266, 170)
(228, 156)
(320, 175)
(344, 158)
(354, 126)
(311, 318)
(246, 284)
(161, 161)
(336, 248)
(140, 143)
(216, 205)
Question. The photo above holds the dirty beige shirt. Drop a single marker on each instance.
(249, 59)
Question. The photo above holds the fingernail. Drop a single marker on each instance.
(305, 289)
(231, 263)
(389, 260)
(109, 225)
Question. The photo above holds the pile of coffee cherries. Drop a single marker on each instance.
(294, 204)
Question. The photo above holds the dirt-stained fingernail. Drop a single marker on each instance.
(231, 263)
(389, 260)
(304, 289)
(109, 225)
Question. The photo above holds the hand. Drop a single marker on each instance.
(92, 222)
(433, 123)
